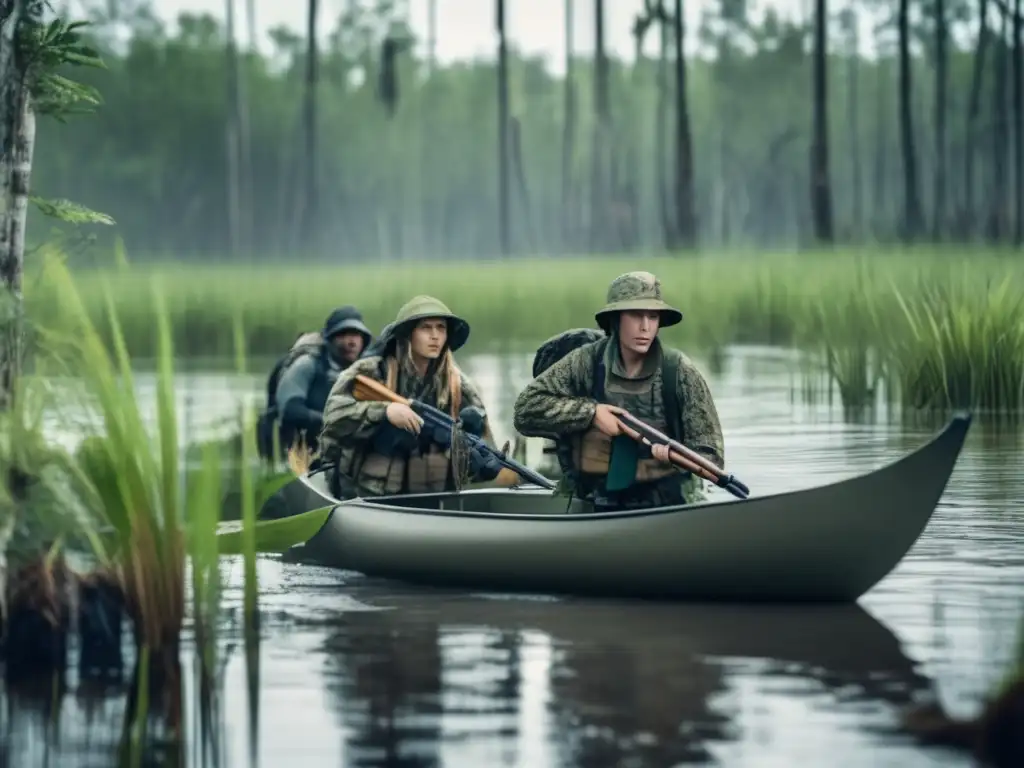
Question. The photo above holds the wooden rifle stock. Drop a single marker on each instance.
(682, 456)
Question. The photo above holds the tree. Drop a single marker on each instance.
(31, 54)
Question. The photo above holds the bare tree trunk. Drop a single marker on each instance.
(880, 209)
(973, 117)
(568, 134)
(1018, 126)
(997, 201)
(432, 35)
(504, 224)
(821, 191)
(912, 214)
(232, 129)
(941, 94)
(686, 221)
(309, 219)
(853, 120)
(661, 138)
(599, 182)
(250, 18)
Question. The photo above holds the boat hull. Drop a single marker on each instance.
(830, 543)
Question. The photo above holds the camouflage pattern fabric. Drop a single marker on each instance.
(350, 424)
(559, 402)
(636, 291)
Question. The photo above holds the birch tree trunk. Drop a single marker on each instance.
(17, 141)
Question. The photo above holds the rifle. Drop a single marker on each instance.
(366, 388)
(682, 456)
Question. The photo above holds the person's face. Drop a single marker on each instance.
(347, 345)
(638, 329)
(428, 338)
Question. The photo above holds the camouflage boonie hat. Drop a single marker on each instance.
(637, 291)
(420, 308)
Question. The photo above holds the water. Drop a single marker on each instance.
(362, 672)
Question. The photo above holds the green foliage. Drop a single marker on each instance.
(69, 212)
(48, 48)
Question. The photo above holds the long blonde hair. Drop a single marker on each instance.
(445, 372)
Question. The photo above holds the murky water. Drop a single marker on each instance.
(362, 672)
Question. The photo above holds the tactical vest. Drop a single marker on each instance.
(584, 458)
(423, 467)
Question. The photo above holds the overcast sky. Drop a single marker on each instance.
(466, 27)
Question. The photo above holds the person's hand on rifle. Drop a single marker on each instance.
(606, 419)
(402, 416)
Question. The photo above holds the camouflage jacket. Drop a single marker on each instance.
(560, 401)
(350, 424)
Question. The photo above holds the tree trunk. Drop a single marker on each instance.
(661, 139)
(431, 35)
(821, 192)
(311, 197)
(232, 129)
(912, 214)
(686, 221)
(17, 142)
(996, 228)
(1018, 127)
(504, 223)
(973, 118)
(853, 119)
(568, 134)
(941, 95)
(599, 186)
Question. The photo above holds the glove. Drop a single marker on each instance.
(483, 464)
(389, 440)
(473, 420)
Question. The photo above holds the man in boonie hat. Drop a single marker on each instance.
(574, 401)
(309, 370)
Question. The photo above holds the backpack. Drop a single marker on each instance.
(561, 344)
(311, 343)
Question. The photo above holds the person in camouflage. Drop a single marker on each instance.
(299, 383)
(378, 448)
(575, 402)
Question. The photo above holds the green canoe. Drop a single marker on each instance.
(829, 543)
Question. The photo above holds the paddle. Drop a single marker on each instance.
(682, 456)
(366, 388)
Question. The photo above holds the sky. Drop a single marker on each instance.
(466, 27)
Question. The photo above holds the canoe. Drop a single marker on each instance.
(830, 543)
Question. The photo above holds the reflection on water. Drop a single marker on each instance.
(363, 672)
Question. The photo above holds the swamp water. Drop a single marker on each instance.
(362, 672)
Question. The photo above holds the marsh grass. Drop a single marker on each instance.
(130, 481)
(941, 324)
